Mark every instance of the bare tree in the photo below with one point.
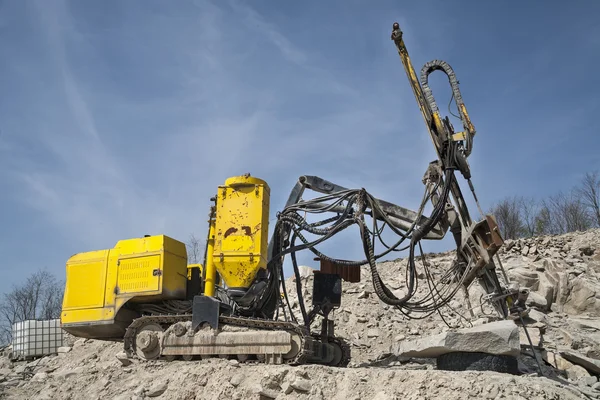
(589, 192)
(568, 213)
(529, 212)
(39, 297)
(195, 250)
(508, 215)
(543, 223)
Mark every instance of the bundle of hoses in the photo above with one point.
(359, 202)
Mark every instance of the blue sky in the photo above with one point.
(120, 119)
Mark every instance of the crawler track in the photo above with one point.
(306, 347)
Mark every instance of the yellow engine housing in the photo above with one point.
(241, 230)
(99, 283)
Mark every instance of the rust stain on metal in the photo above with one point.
(230, 231)
(247, 230)
(348, 274)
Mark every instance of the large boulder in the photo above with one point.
(547, 289)
(583, 297)
(525, 277)
(500, 338)
(557, 275)
(586, 362)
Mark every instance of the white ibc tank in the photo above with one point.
(35, 338)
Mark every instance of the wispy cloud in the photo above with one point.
(122, 120)
(254, 21)
(242, 129)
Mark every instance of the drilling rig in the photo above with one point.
(235, 304)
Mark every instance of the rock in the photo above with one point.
(586, 251)
(558, 362)
(576, 373)
(301, 385)
(582, 297)
(480, 321)
(586, 323)
(536, 300)
(533, 250)
(234, 363)
(555, 273)
(538, 316)
(363, 295)
(122, 357)
(596, 386)
(501, 338)
(373, 333)
(267, 393)
(525, 251)
(46, 394)
(157, 389)
(372, 373)
(44, 361)
(576, 358)
(534, 334)
(567, 337)
(139, 390)
(590, 380)
(63, 350)
(40, 377)
(525, 277)
(512, 264)
(382, 396)
(493, 393)
(236, 380)
(305, 272)
(547, 289)
(65, 374)
(287, 388)
(19, 369)
(593, 354)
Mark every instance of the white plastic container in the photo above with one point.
(34, 338)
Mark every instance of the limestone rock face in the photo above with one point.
(563, 272)
(500, 338)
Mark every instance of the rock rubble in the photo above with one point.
(561, 271)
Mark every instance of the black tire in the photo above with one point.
(464, 361)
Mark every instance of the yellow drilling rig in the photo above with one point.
(235, 304)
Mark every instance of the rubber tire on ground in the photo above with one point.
(464, 361)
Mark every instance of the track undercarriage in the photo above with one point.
(171, 337)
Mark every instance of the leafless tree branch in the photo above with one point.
(39, 297)
(509, 218)
(589, 192)
(529, 211)
(567, 213)
(194, 250)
